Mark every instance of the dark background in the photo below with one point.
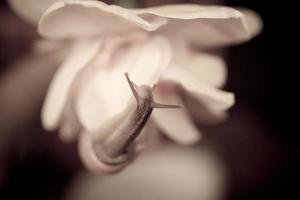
(261, 77)
(258, 144)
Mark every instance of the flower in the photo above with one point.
(154, 45)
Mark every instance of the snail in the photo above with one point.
(119, 147)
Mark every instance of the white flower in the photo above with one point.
(154, 45)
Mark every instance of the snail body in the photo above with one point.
(119, 147)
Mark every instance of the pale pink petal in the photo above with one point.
(80, 55)
(214, 98)
(150, 137)
(253, 21)
(102, 83)
(203, 26)
(70, 126)
(190, 11)
(175, 123)
(44, 46)
(106, 91)
(75, 19)
(208, 68)
(201, 113)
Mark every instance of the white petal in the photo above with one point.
(190, 11)
(214, 98)
(70, 126)
(30, 10)
(80, 55)
(106, 94)
(44, 46)
(201, 113)
(204, 26)
(95, 18)
(253, 22)
(70, 129)
(208, 68)
(175, 123)
(150, 137)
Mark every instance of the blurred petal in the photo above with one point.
(170, 173)
(30, 10)
(70, 129)
(201, 113)
(148, 3)
(214, 98)
(175, 123)
(150, 137)
(58, 92)
(70, 126)
(204, 26)
(253, 21)
(43, 46)
(189, 11)
(208, 68)
(94, 18)
(105, 92)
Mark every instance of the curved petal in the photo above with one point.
(105, 92)
(208, 68)
(190, 11)
(70, 126)
(214, 98)
(94, 18)
(201, 113)
(175, 123)
(150, 137)
(204, 26)
(44, 46)
(253, 21)
(80, 55)
(30, 10)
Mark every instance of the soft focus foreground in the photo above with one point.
(169, 173)
(37, 165)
